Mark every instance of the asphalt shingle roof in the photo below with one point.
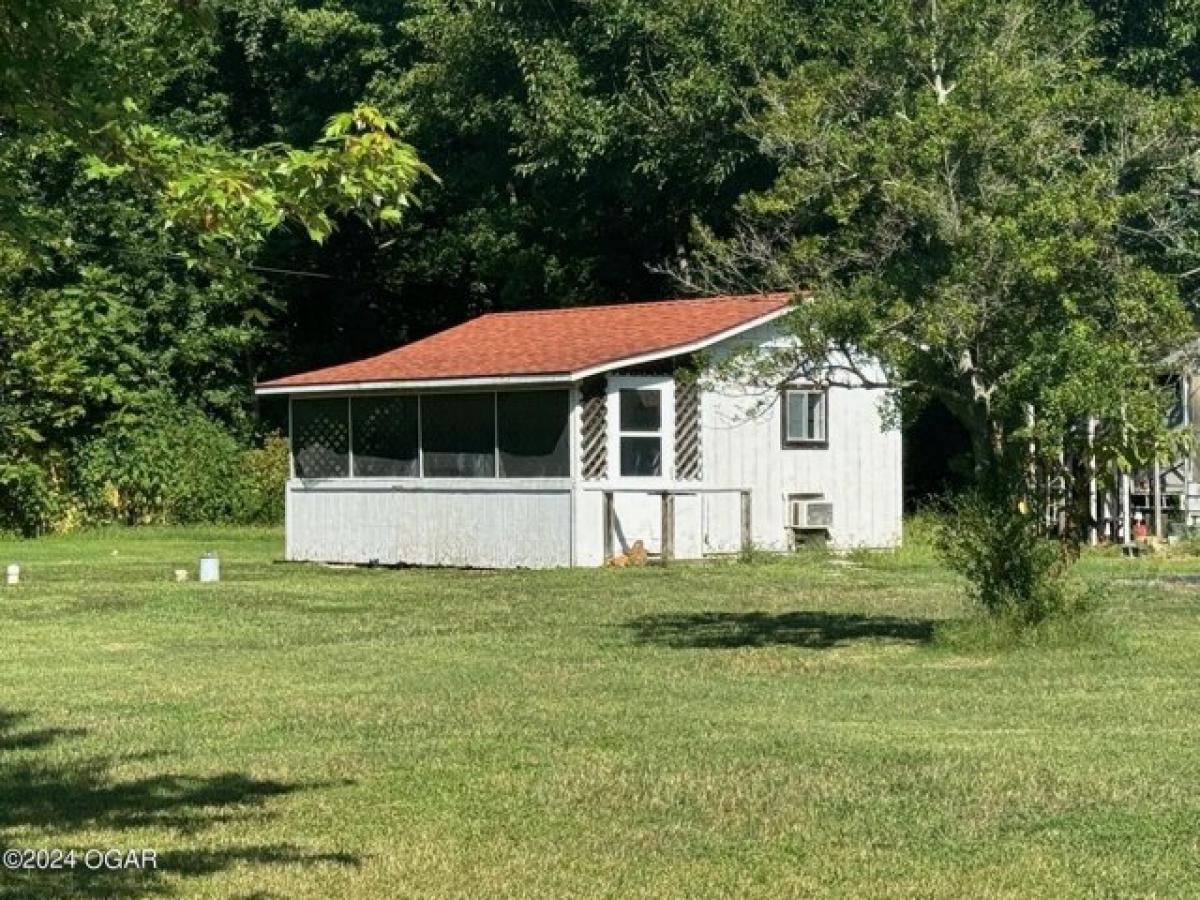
(549, 342)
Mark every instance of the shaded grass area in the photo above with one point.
(775, 729)
(814, 630)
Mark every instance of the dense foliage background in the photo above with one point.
(580, 148)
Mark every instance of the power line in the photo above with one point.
(300, 274)
(179, 257)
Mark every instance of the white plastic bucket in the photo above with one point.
(210, 568)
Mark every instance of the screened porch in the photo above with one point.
(478, 435)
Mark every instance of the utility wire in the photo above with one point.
(179, 257)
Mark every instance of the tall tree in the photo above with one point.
(972, 201)
(125, 231)
(1151, 42)
(577, 141)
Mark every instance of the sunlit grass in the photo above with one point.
(780, 728)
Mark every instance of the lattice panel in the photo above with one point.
(385, 436)
(321, 438)
(594, 430)
(689, 458)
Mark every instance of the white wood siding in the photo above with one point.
(455, 522)
(858, 468)
(540, 523)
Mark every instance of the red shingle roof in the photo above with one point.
(550, 342)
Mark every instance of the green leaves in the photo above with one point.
(976, 202)
(234, 199)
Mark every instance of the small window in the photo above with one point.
(458, 435)
(641, 432)
(385, 437)
(805, 416)
(532, 430)
(321, 438)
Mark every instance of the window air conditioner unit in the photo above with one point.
(810, 515)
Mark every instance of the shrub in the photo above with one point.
(1012, 571)
(171, 465)
(30, 501)
(263, 479)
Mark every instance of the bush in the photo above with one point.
(1012, 571)
(177, 466)
(30, 502)
(263, 479)
(170, 465)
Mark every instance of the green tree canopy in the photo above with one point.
(973, 201)
(126, 232)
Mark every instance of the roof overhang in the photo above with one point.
(495, 381)
(681, 349)
(427, 384)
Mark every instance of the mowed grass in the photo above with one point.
(781, 728)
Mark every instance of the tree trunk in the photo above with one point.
(980, 431)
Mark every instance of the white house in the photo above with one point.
(562, 437)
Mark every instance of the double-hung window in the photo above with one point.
(641, 437)
(805, 416)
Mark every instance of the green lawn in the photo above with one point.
(775, 729)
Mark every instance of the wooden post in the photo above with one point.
(747, 524)
(668, 526)
(1188, 473)
(1156, 499)
(1094, 513)
(609, 517)
(1126, 517)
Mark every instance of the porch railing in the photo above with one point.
(667, 497)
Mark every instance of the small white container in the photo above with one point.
(12, 575)
(210, 568)
(181, 574)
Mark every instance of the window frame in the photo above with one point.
(786, 416)
(665, 386)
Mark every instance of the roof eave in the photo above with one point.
(412, 384)
(680, 349)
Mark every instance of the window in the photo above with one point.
(641, 432)
(385, 437)
(321, 438)
(532, 434)
(458, 435)
(804, 416)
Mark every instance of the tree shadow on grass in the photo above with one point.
(814, 630)
(28, 740)
(59, 798)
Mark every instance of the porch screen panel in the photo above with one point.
(385, 437)
(532, 430)
(458, 435)
(321, 438)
